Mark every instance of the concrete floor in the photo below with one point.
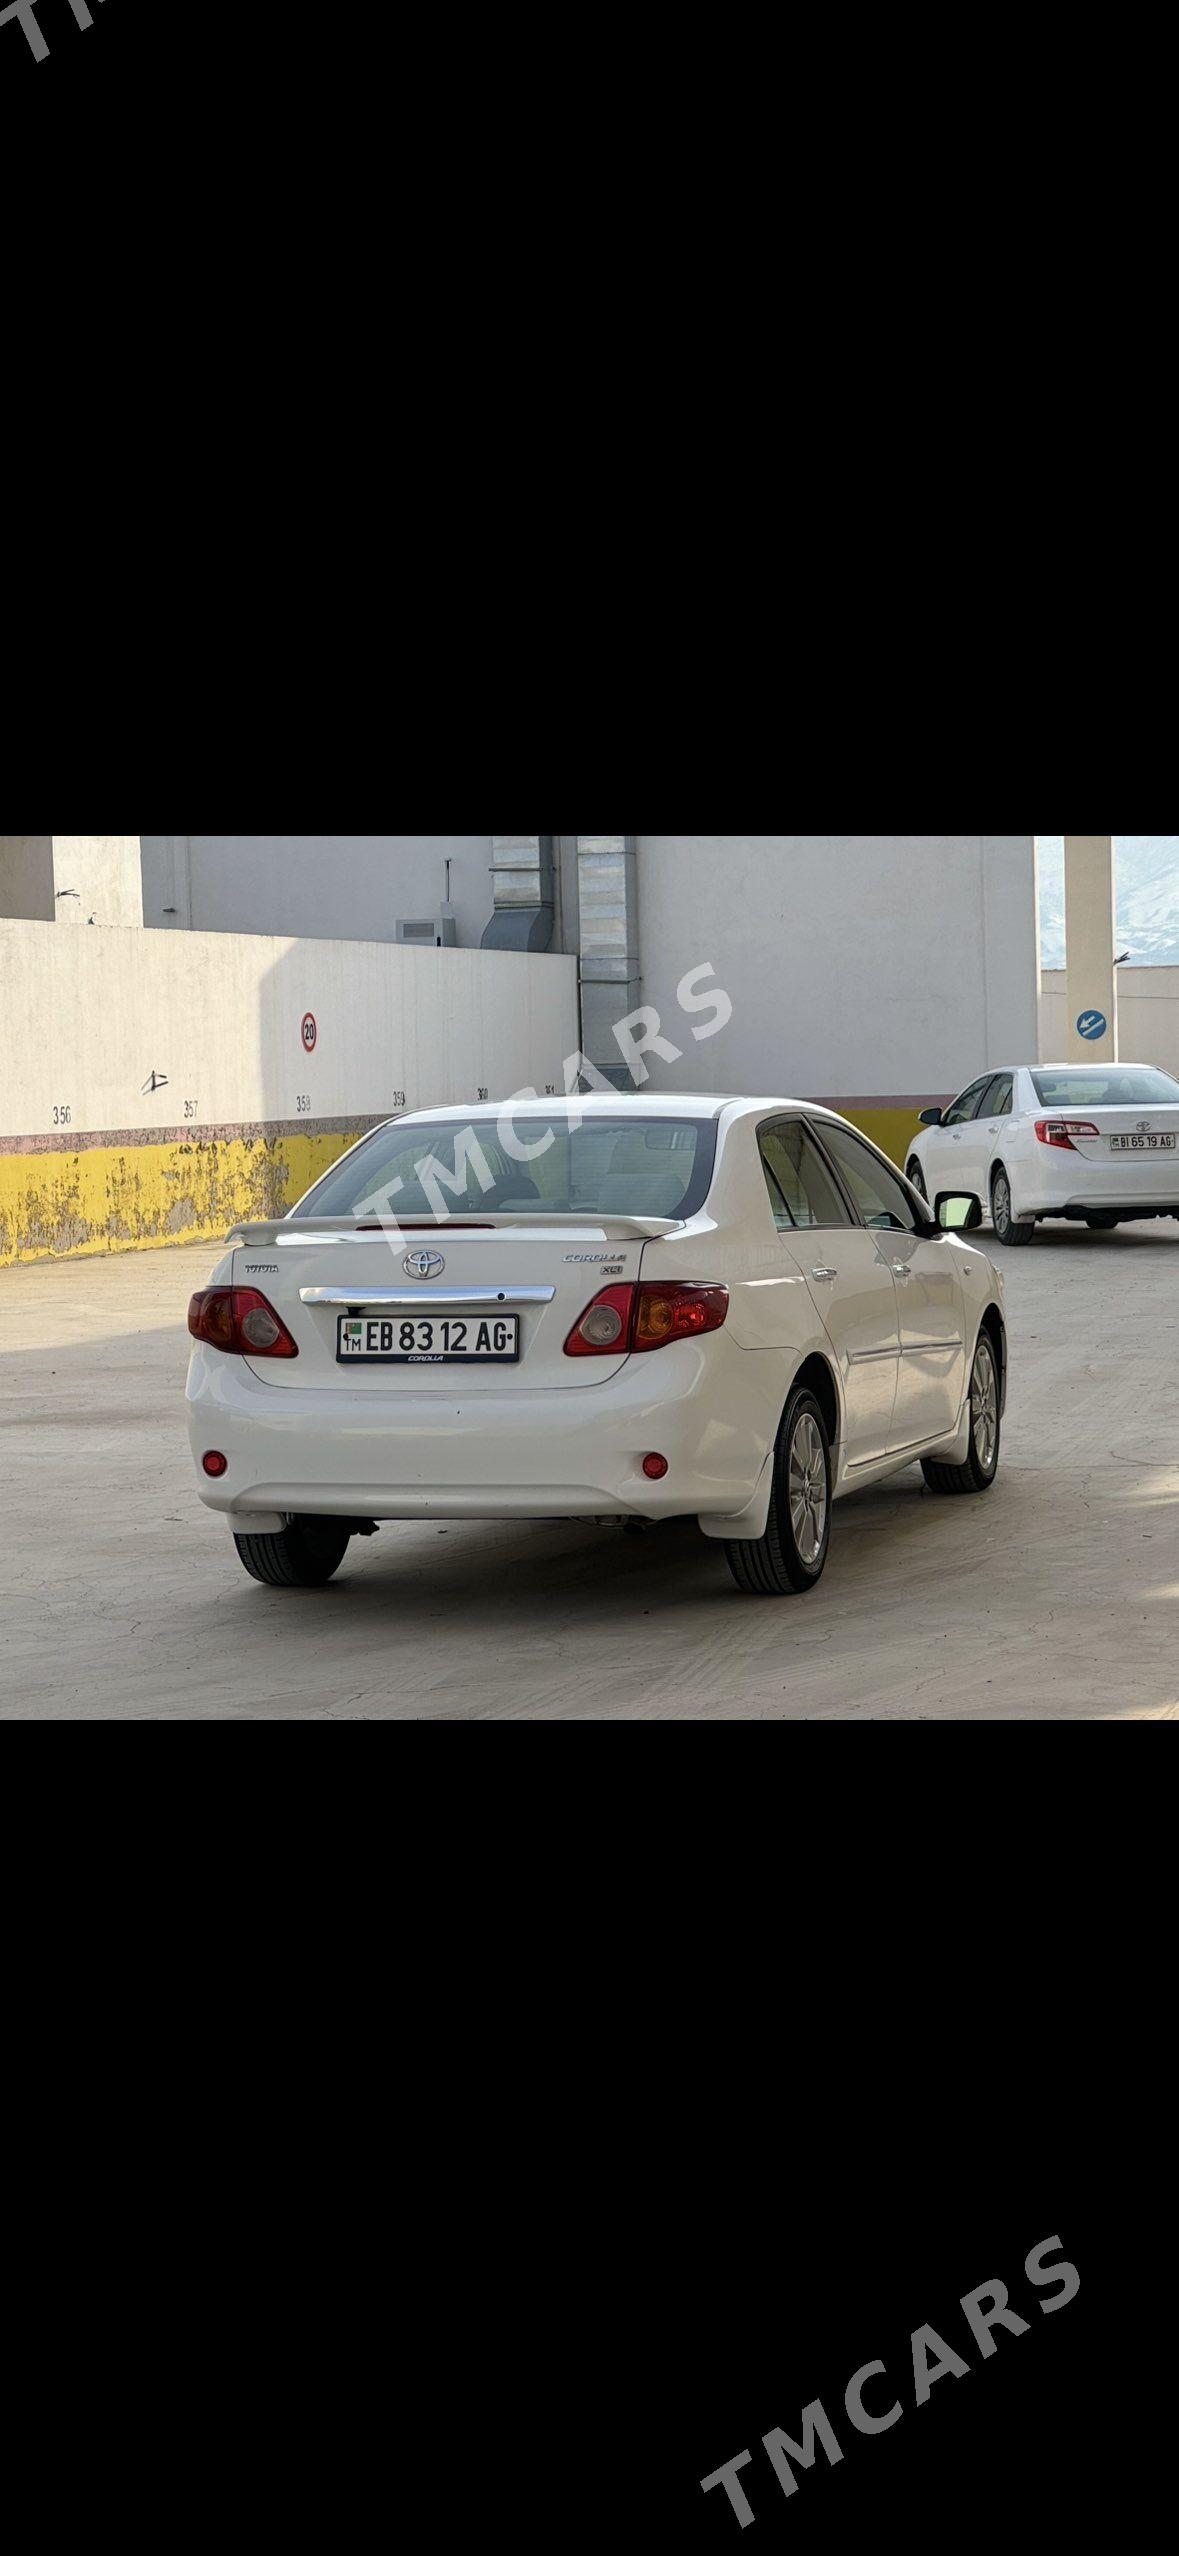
(1057, 1595)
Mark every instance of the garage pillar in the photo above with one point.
(1090, 922)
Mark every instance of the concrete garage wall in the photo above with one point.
(91, 1161)
(70, 878)
(354, 887)
(97, 879)
(875, 972)
(1148, 1016)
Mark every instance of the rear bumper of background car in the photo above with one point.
(1102, 1197)
(1100, 1203)
(1053, 1183)
(707, 1406)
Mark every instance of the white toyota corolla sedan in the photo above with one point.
(606, 1307)
(1098, 1144)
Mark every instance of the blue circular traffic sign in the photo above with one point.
(1092, 1025)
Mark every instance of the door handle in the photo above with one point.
(825, 1273)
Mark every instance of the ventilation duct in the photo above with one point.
(522, 878)
(611, 978)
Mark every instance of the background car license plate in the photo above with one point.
(1142, 1144)
(427, 1340)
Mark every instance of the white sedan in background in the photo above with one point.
(1098, 1144)
(623, 1307)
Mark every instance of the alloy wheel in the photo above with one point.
(807, 1489)
(984, 1405)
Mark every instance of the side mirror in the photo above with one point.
(957, 1214)
(930, 1118)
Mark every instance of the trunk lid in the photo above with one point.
(542, 1273)
(1143, 1128)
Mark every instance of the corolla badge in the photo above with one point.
(423, 1264)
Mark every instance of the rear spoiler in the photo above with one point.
(346, 1228)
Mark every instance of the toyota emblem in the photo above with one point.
(423, 1264)
(1144, 1127)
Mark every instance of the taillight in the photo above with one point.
(646, 1316)
(240, 1321)
(677, 1312)
(1061, 1131)
(605, 1328)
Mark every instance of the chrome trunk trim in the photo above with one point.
(417, 1298)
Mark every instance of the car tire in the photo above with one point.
(986, 1429)
(303, 1556)
(791, 1556)
(1103, 1224)
(916, 1180)
(1009, 1228)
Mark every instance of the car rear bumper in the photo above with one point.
(1055, 1184)
(1127, 1211)
(712, 1409)
(1101, 1198)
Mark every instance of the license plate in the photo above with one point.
(1142, 1144)
(427, 1340)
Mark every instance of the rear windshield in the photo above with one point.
(534, 1165)
(1104, 1086)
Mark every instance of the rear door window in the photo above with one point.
(996, 1100)
(802, 1191)
(880, 1194)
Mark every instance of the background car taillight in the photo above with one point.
(1061, 1131)
(646, 1316)
(240, 1321)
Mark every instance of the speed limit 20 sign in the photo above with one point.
(310, 1031)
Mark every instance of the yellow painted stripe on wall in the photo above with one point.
(892, 1129)
(140, 1197)
(130, 1197)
